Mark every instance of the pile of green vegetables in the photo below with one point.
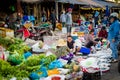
(17, 65)
(14, 44)
(7, 41)
(29, 65)
(7, 71)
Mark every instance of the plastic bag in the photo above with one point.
(89, 65)
(27, 54)
(53, 72)
(64, 30)
(49, 53)
(63, 71)
(78, 43)
(85, 50)
(16, 58)
(64, 62)
(39, 74)
(26, 33)
(46, 47)
(62, 77)
(2, 56)
(55, 64)
(35, 48)
(68, 57)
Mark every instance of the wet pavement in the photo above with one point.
(113, 74)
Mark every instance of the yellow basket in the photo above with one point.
(28, 25)
(59, 26)
(79, 34)
(4, 32)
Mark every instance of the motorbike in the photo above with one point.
(34, 33)
(25, 33)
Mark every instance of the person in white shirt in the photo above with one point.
(63, 18)
(69, 21)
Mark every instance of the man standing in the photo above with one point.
(113, 35)
(63, 18)
(69, 21)
(53, 19)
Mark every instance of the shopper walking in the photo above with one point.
(44, 18)
(53, 19)
(69, 21)
(113, 35)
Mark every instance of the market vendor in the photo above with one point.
(89, 39)
(74, 46)
(70, 42)
(79, 21)
(90, 27)
(103, 33)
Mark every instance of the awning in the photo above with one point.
(30, 1)
(91, 2)
(70, 1)
(89, 7)
(105, 3)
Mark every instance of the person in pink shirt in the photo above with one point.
(89, 39)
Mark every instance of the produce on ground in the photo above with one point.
(62, 51)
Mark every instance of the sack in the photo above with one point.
(64, 30)
(85, 50)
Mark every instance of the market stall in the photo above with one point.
(53, 60)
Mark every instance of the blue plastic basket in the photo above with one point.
(74, 37)
(85, 50)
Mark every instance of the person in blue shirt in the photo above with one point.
(113, 35)
(105, 20)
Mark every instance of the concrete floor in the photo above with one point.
(112, 74)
